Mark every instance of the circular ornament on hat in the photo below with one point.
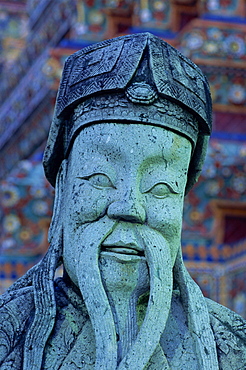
(141, 93)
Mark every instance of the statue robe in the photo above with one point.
(71, 344)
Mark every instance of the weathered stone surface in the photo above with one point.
(127, 142)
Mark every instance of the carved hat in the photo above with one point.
(137, 78)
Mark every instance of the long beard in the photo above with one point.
(158, 258)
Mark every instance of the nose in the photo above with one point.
(128, 209)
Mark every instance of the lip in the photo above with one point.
(121, 257)
(123, 248)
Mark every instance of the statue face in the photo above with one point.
(126, 175)
(122, 203)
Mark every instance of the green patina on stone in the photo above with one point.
(127, 142)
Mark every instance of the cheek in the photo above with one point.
(85, 204)
(72, 246)
(165, 215)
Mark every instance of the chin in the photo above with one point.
(126, 272)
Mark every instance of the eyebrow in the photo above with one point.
(96, 164)
(154, 161)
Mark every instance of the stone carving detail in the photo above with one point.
(127, 141)
(179, 79)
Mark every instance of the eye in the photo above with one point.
(160, 190)
(99, 181)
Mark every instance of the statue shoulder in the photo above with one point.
(15, 312)
(229, 331)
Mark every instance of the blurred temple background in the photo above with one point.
(36, 36)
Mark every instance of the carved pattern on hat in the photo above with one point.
(141, 93)
(175, 77)
(117, 108)
(192, 97)
(109, 79)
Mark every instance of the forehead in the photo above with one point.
(133, 141)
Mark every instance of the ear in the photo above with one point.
(56, 222)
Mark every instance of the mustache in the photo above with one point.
(158, 257)
(94, 295)
(92, 288)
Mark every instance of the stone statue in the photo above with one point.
(128, 140)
